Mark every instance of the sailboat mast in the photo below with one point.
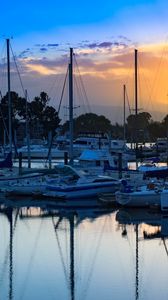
(27, 132)
(9, 96)
(72, 271)
(124, 90)
(137, 264)
(71, 105)
(136, 99)
(10, 216)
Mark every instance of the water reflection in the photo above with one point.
(152, 223)
(76, 252)
(17, 211)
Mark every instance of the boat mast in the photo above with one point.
(71, 105)
(72, 269)
(9, 96)
(136, 103)
(137, 265)
(27, 132)
(124, 135)
(10, 219)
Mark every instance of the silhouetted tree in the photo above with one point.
(39, 112)
(89, 122)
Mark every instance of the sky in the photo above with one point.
(104, 37)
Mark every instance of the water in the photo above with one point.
(86, 253)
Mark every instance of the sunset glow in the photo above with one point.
(103, 44)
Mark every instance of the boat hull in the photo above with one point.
(83, 190)
(139, 199)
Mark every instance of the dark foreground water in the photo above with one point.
(82, 253)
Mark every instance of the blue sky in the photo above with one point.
(56, 19)
(102, 34)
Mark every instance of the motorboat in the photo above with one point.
(80, 186)
(147, 195)
(152, 170)
(84, 190)
(41, 151)
(98, 161)
(161, 145)
(66, 182)
(101, 162)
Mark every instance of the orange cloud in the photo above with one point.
(106, 69)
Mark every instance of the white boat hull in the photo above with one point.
(139, 199)
(44, 154)
(83, 190)
(25, 190)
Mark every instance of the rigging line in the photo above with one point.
(164, 243)
(7, 251)
(4, 123)
(14, 59)
(79, 90)
(3, 48)
(58, 81)
(54, 85)
(3, 63)
(139, 91)
(84, 92)
(147, 83)
(82, 84)
(59, 247)
(63, 89)
(158, 69)
(31, 261)
(128, 101)
(4, 83)
(88, 282)
(128, 79)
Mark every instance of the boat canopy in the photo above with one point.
(90, 155)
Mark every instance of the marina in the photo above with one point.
(83, 192)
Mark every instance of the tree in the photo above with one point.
(17, 112)
(137, 126)
(165, 125)
(89, 122)
(155, 130)
(39, 113)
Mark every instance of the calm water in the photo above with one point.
(82, 253)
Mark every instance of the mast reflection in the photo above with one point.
(153, 219)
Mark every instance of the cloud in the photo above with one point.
(105, 66)
(53, 45)
(43, 49)
(100, 45)
(109, 44)
(122, 37)
(26, 53)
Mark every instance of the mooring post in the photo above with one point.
(20, 163)
(65, 158)
(120, 165)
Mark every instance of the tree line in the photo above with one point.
(38, 111)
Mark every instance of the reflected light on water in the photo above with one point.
(51, 253)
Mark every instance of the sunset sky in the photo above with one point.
(104, 36)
